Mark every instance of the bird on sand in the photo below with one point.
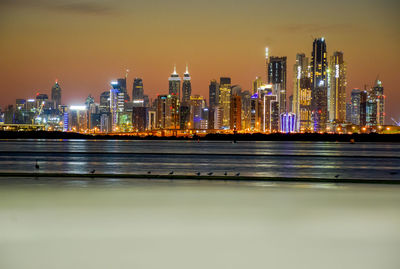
(93, 171)
(198, 173)
(226, 173)
(148, 172)
(337, 176)
(210, 174)
(37, 165)
(237, 174)
(171, 173)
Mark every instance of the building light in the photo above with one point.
(337, 71)
(77, 107)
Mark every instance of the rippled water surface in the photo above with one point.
(271, 159)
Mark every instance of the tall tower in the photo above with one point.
(175, 84)
(186, 86)
(277, 77)
(300, 72)
(319, 88)
(266, 63)
(225, 100)
(56, 94)
(355, 106)
(376, 105)
(137, 89)
(337, 88)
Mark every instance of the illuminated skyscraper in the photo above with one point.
(319, 98)
(213, 101)
(225, 100)
(167, 112)
(300, 72)
(277, 77)
(197, 103)
(122, 87)
(337, 88)
(257, 84)
(186, 87)
(137, 90)
(363, 107)
(355, 106)
(266, 65)
(175, 84)
(56, 95)
(236, 113)
(376, 105)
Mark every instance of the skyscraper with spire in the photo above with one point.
(186, 86)
(56, 94)
(301, 93)
(175, 84)
(319, 85)
(277, 77)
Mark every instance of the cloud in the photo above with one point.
(66, 6)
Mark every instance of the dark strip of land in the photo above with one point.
(7, 175)
(372, 137)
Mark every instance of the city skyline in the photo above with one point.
(41, 46)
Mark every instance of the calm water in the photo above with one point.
(280, 159)
(133, 223)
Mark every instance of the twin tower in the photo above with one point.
(175, 85)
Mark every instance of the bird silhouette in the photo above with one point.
(93, 171)
(198, 173)
(337, 176)
(171, 173)
(226, 173)
(37, 165)
(210, 174)
(148, 172)
(393, 173)
(237, 174)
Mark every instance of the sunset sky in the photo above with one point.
(86, 44)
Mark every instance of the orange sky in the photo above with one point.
(85, 44)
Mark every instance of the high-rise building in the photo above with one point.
(379, 97)
(197, 103)
(355, 106)
(175, 84)
(105, 102)
(277, 77)
(348, 112)
(300, 72)
(186, 86)
(319, 100)
(236, 113)
(121, 82)
(363, 107)
(56, 95)
(225, 100)
(139, 118)
(168, 112)
(137, 90)
(257, 84)
(213, 101)
(337, 88)
(213, 93)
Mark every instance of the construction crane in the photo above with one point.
(37, 115)
(396, 122)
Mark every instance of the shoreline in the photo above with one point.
(8, 175)
(312, 137)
